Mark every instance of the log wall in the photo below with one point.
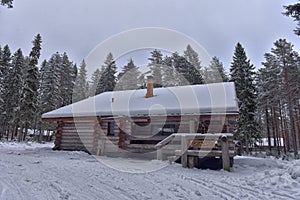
(137, 134)
(78, 135)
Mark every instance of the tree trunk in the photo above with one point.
(25, 133)
(273, 129)
(282, 129)
(276, 133)
(291, 114)
(287, 136)
(268, 130)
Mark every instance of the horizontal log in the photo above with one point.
(78, 127)
(79, 122)
(76, 131)
(76, 141)
(145, 138)
(141, 146)
(77, 138)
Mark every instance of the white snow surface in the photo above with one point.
(190, 99)
(34, 171)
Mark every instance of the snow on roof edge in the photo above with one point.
(203, 101)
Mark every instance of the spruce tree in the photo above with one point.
(5, 68)
(50, 83)
(242, 74)
(67, 80)
(169, 73)
(14, 91)
(94, 82)
(108, 78)
(189, 74)
(192, 57)
(31, 85)
(1, 84)
(80, 91)
(215, 72)
(129, 77)
(156, 67)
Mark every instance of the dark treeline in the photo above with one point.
(269, 99)
(28, 90)
(19, 85)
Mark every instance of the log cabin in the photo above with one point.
(134, 121)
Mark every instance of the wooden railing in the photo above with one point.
(193, 145)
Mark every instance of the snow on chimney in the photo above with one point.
(149, 87)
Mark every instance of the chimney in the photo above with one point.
(149, 87)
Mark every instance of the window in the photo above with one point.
(167, 129)
(111, 128)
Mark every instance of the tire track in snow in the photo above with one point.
(239, 189)
(182, 187)
(13, 187)
(17, 190)
(257, 193)
(106, 190)
(219, 191)
(3, 190)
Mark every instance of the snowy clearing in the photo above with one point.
(34, 171)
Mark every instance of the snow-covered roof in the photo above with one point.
(212, 98)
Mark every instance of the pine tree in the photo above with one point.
(242, 73)
(31, 85)
(129, 77)
(294, 11)
(108, 78)
(8, 3)
(215, 72)
(288, 63)
(156, 67)
(279, 95)
(80, 91)
(269, 99)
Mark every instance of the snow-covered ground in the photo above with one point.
(34, 171)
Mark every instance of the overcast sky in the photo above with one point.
(78, 26)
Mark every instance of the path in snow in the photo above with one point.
(30, 172)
